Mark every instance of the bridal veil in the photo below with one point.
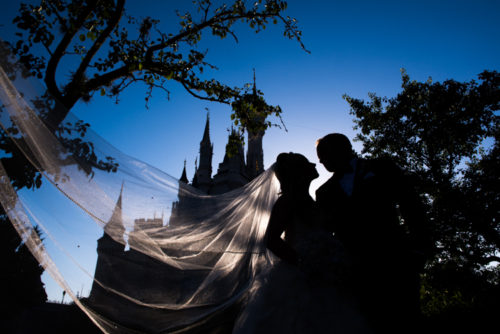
(168, 256)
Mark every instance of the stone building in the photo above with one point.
(139, 276)
(232, 172)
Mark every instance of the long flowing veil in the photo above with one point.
(167, 256)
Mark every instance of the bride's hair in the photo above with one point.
(289, 168)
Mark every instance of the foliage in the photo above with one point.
(250, 110)
(22, 166)
(109, 50)
(21, 272)
(450, 288)
(93, 35)
(447, 135)
(110, 56)
(234, 146)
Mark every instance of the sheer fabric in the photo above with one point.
(169, 257)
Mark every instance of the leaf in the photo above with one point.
(103, 92)
(91, 35)
(82, 37)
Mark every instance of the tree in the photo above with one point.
(20, 273)
(110, 57)
(109, 50)
(440, 132)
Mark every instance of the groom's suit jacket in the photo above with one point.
(370, 219)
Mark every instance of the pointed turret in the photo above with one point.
(114, 227)
(255, 153)
(206, 133)
(110, 247)
(195, 177)
(234, 143)
(231, 172)
(184, 176)
(204, 173)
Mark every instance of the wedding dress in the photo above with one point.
(313, 297)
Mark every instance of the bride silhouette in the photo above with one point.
(306, 290)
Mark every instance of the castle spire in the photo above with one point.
(204, 172)
(114, 227)
(206, 133)
(255, 153)
(110, 246)
(231, 172)
(235, 144)
(184, 176)
(195, 177)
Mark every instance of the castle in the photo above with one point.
(232, 172)
(139, 276)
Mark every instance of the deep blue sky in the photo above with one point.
(356, 47)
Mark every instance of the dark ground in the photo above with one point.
(56, 318)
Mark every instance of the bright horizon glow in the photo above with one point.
(356, 47)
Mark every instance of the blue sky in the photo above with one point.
(356, 47)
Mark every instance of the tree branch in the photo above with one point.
(188, 89)
(107, 78)
(61, 20)
(115, 19)
(218, 18)
(50, 74)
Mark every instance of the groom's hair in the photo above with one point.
(333, 142)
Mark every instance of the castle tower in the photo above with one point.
(204, 172)
(194, 183)
(108, 250)
(184, 176)
(231, 172)
(255, 153)
(114, 229)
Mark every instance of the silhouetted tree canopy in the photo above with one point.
(108, 50)
(21, 272)
(447, 134)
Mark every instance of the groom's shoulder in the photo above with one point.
(325, 187)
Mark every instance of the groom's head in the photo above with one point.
(334, 152)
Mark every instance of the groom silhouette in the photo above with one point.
(372, 208)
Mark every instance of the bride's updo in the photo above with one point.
(291, 169)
